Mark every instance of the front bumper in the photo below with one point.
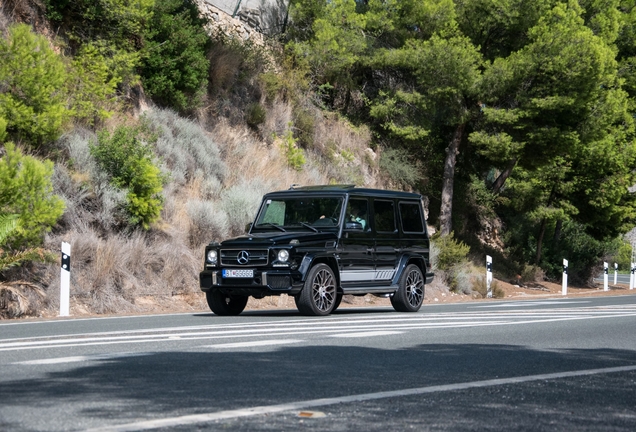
(264, 283)
(429, 277)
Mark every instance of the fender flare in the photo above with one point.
(310, 259)
(416, 259)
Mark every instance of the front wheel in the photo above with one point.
(410, 292)
(318, 296)
(225, 304)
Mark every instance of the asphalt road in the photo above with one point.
(562, 364)
(621, 278)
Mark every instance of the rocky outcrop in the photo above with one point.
(244, 27)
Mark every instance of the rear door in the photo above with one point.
(386, 239)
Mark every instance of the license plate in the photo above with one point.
(227, 273)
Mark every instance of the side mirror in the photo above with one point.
(248, 227)
(353, 226)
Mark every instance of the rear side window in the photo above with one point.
(412, 221)
(384, 216)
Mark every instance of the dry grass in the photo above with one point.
(109, 274)
(20, 298)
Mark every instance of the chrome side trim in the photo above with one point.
(384, 275)
(357, 275)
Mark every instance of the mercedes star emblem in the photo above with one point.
(243, 257)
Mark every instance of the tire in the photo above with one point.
(410, 292)
(338, 301)
(318, 296)
(225, 304)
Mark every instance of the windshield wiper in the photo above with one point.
(278, 227)
(306, 225)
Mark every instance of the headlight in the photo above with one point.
(212, 256)
(283, 255)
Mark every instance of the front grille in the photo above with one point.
(278, 282)
(236, 257)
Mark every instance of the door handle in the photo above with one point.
(370, 250)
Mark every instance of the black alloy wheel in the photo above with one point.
(318, 296)
(410, 292)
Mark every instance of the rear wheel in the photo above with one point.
(225, 304)
(410, 293)
(318, 296)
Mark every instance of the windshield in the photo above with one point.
(300, 212)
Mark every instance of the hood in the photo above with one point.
(267, 239)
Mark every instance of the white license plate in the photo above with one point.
(227, 273)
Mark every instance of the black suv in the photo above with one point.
(318, 243)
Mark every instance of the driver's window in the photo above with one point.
(274, 213)
(358, 211)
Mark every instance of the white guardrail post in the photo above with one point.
(615, 273)
(65, 279)
(488, 276)
(564, 288)
(631, 276)
(605, 276)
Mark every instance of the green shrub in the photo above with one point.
(26, 190)
(295, 156)
(623, 255)
(450, 251)
(128, 160)
(396, 163)
(174, 63)
(92, 85)
(33, 77)
(583, 252)
(120, 22)
(304, 125)
(3, 130)
(255, 115)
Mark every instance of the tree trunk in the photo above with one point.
(498, 184)
(540, 240)
(557, 232)
(446, 209)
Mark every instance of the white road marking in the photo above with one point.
(74, 320)
(328, 326)
(529, 303)
(263, 343)
(74, 359)
(365, 334)
(304, 405)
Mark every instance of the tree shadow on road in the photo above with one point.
(204, 380)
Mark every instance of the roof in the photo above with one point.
(348, 189)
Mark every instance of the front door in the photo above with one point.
(356, 247)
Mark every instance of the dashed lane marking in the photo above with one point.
(263, 343)
(365, 334)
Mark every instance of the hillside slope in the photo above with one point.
(215, 169)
